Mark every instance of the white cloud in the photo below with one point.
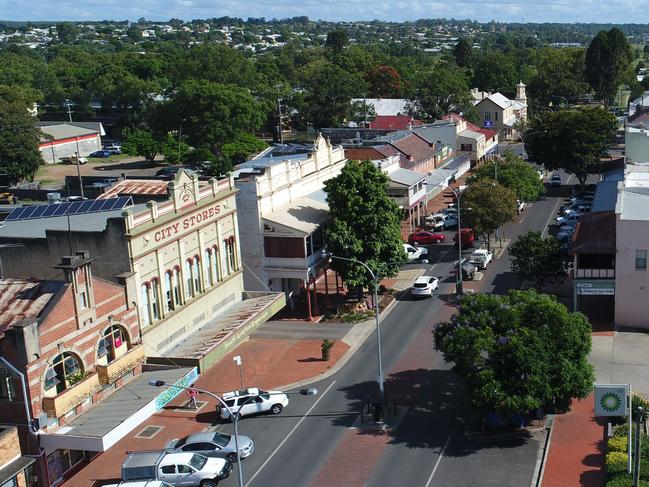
(619, 11)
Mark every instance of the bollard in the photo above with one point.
(378, 412)
(362, 418)
(395, 407)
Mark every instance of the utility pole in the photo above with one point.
(67, 102)
(180, 137)
(280, 132)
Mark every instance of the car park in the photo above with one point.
(424, 286)
(100, 154)
(425, 237)
(415, 253)
(213, 444)
(253, 401)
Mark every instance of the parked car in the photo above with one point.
(253, 401)
(579, 209)
(445, 220)
(113, 148)
(177, 469)
(436, 224)
(213, 444)
(425, 237)
(73, 160)
(566, 234)
(481, 258)
(567, 218)
(450, 211)
(100, 154)
(141, 483)
(415, 253)
(424, 286)
(467, 237)
(555, 180)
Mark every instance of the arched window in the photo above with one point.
(169, 290)
(196, 274)
(144, 304)
(65, 371)
(155, 299)
(225, 268)
(113, 344)
(189, 292)
(232, 256)
(176, 286)
(215, 263)
(207, 262)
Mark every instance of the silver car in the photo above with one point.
(213, 444)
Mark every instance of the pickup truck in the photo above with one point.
(481, 257)
(175, 468)
(141, 483)
(73, 160)
(434, 223)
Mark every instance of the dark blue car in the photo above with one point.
(100, 154)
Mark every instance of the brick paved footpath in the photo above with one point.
(272, 363)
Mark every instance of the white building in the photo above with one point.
(282, 215)
(636, 141)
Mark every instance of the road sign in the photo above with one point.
(611, 399)
(488, 124)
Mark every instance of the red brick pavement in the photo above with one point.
(576, 453)
(272, 363)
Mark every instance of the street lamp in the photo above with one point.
(311, 391)
(375, 278)
(459, 287)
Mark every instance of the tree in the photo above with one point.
(329, 90)
(513, 173)
(365, 224)
(538, 260)
(559, 75)
(572, 140)
(210, 114)
(174, 149)
(67, 32)
(486, 206)
(337, 40)
(19, 139)
(243, 145)
(384, 82)
(608, 60)
(463, 52)
(142, 143)
(362, 111)
(517, 352)
(440, 91)
(496, 72)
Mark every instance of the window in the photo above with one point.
(196, 274)
(176, 286)
(487, 116)
(215, 263)
(209, 274)
(225, 269)
(7, 390)
(496, 116)
(66, 368)
(231, 255)
(466, 147)
(12, 482)
(640, 260)
(188, 280)
(155, 299)
(114, 337)
(144, 302)
(82, 300)
(168, 469)
(169, 290)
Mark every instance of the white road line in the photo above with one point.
(289, 434)
(439, 459)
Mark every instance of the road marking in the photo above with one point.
(439, 459)
(290, 433)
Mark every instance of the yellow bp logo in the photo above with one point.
(610, 402)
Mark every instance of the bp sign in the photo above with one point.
(611, 399)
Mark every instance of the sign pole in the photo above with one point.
(629, 402)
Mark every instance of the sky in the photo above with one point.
(587, 11)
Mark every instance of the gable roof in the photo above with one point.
(417, 150)
(489, 134)
(25, 298)
(66, 131)
(394, 122)
(386, 106)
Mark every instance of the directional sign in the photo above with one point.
(611, 399)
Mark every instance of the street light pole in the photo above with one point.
(235, 417)
(375, 278)
(459, 286)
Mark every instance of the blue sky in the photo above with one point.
(599, 11)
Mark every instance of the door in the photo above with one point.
(187, 475)
(168, 474)
(249, 405)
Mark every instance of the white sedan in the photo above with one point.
(424, 286)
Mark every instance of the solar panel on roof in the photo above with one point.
(75, 208)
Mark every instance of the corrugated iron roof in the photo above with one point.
(136, 187)
(394, 122)
(24, 298)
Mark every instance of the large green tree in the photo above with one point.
(141, 142)
(337, 40)
(572, 140)
(559, 77)
(608, 61)
(365, 223)
(19, 139)
(463, 52)
(442, 90)
(486, 206)
(496, 72)
(517, 352)
(538, 260)
(209, 114)
(513, 173)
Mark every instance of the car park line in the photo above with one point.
(290, 433)
(439, 459)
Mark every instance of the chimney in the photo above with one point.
(78, 273)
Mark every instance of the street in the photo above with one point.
(430, 446)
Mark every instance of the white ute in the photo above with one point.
(415, 253)
(480, 258)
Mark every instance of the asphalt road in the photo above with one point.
(430, 446)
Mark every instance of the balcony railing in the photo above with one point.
(594, 273)
(117, 368)
(74, 395)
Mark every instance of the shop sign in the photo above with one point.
(180, 226)
(611, 399)
(602, 288)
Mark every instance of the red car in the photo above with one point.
(424, 237)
